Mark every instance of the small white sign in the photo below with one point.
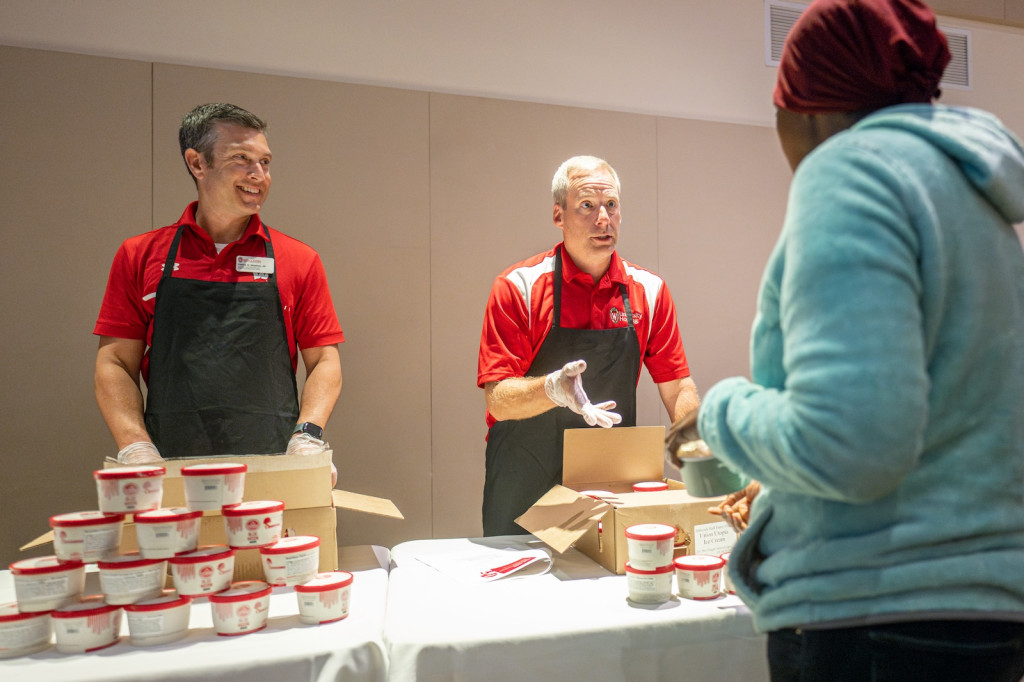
(713, 538)
(255, 264)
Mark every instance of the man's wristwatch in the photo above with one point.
(310, 428)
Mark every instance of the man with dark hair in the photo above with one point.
(212, 313)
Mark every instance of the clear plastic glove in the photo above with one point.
(139, 453)
(565, 388)
(305, 444)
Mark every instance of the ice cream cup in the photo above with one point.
(45, 583)
(86, 536)
(253, 524)
(650, 545)
(129, 489)
(162, 533)
(292, 560)
(86, 626)
(208, 570)
(325, 598)
(211, 486)
(652, 586)
(158, 621)
(129, 578)
(699, 576)
(241, 609)
(23, 633)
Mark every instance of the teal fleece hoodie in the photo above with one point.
(885, 415)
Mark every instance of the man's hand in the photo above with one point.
(305, 444)
(139, 453)
(683, 440)
(565, 388)
(735, 509)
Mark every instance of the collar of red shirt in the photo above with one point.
(616, 272)
(253, 228)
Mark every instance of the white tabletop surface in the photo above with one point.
(350, 649)
(573, 623)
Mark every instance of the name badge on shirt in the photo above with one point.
(259, 265)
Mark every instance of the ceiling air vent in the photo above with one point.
(780, 16)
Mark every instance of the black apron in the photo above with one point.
(524, 456)
(220, 372)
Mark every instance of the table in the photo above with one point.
(573, 623)
(350, 649)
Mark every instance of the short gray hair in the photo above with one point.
(574, 166)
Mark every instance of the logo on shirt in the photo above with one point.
(618, 317)
(176, 266)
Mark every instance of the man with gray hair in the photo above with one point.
(574, 321)
(212, 313)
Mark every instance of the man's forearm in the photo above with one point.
(322, 388)
(517, 398)
(120, 401)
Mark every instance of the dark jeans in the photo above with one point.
(958, 651)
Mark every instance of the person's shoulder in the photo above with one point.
(638, 272)
(293, 246)
(543, 259)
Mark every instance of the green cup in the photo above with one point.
(708, 477)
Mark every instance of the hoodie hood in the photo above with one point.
(990, 156)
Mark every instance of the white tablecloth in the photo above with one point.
(350, 649)
(573, 623)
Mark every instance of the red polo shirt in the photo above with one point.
(130, 298)
(520, 308)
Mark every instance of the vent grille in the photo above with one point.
(779, 17)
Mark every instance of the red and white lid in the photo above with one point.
(650, 531)
(322, 582)
(725, 557)
(296, 543)
(85, 518)
(243, 591)
(167, 515)
(130, 560)
(699, 562)
(204, 553)
(214, 468)
(43, 564)
(9, 613)
(252, 507)
(649, 486)
(91, 606)
(128, 472)
(170, 600)
(652, 571)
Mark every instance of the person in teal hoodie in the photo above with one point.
(884, 416)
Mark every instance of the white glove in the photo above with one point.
(305, 444)
(565, 388)
(142, 452)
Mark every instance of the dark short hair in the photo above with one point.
(198, 130)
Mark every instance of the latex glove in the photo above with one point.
(565, 388)
(142, 452)
(305, 444)
(735, 509)
(683, 440)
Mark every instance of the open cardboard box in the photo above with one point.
(302, 482)
(613, 460)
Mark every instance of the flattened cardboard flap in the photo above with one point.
(562, 516)
(378, 506)
(592, 458)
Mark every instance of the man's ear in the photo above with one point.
(195, 162)
(557, 215)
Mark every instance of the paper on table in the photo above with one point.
(485, 564)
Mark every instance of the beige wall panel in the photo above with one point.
(991, 10)
(349, 178)
(74, 175)
(992, 87)
(1015, 11)
(721, 200)
(491, 167)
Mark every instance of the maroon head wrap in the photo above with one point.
(854, 55)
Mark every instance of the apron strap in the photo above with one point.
(556, 315)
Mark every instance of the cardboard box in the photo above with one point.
(613, 460)
(302, 482)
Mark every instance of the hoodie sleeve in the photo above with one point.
(844, 333)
